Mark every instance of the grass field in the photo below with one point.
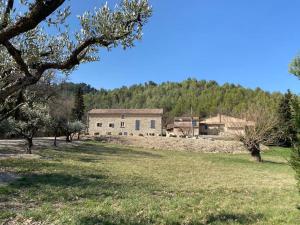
(105, 184)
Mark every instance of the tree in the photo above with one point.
(29, 49)
(60, 109)
(286, 122)
(71, 128)
(79, 108)
(258, 129)
(295, 158)
(33, 116)
(56, 125)
(176, 98)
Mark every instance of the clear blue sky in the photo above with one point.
(248, 42)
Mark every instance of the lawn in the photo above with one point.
(105, 184)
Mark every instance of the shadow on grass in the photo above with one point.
(275, 162)
(63, 187)
(52, 179)
(222, 218)
(81, 153)
(229, 218)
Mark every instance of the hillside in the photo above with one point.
(203, 97)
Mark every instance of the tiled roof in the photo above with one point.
(228, 120)
(127, 111)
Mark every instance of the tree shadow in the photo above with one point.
(62, 187)
(51, 179)
(222, 218)
(229, 218)
(274, 162)
(98, 150)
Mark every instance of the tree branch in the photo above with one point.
(38, 12)
(5, 114)
(16, 54)
(74, 58)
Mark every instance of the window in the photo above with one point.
(152, 124)
(111, 125)
(137, 124)
(99, 124)
(122, 124)
(205, 127)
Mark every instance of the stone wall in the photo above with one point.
(178, 144)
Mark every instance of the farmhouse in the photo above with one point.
(184, 126)
(125, 122)
(223, 125)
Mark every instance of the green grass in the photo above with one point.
(107, 184)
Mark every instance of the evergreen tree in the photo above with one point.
(295, 159)
(286, 123)
(78, 110)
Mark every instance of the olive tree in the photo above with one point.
(71, 128)
(259, 127)
(35, 38)
(33, 116)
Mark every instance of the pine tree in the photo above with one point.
(286, 123)
(78, 110)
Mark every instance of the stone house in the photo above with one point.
(223, 125)
(125, 122)
(184, 126)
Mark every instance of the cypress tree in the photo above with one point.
(286, 123)
(79, 107)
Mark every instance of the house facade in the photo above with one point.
(223, 125)
(146, 122)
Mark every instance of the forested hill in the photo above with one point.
(204, 97)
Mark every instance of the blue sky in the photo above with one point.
(249, 42)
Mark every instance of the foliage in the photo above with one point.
(286, 122)
(295, 160)
(205, 97)
(79, 108)
(33, 116)
(4, 128)
(98, 183)
(71, 128)
(35, 39)
(294, 67)
(70, 88)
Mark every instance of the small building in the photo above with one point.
(223, 125)
(125, 122)
(184, 126)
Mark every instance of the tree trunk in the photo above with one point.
(78, 136)
(55, 142)
(255, 153)
(29, 145)
(68, 138)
